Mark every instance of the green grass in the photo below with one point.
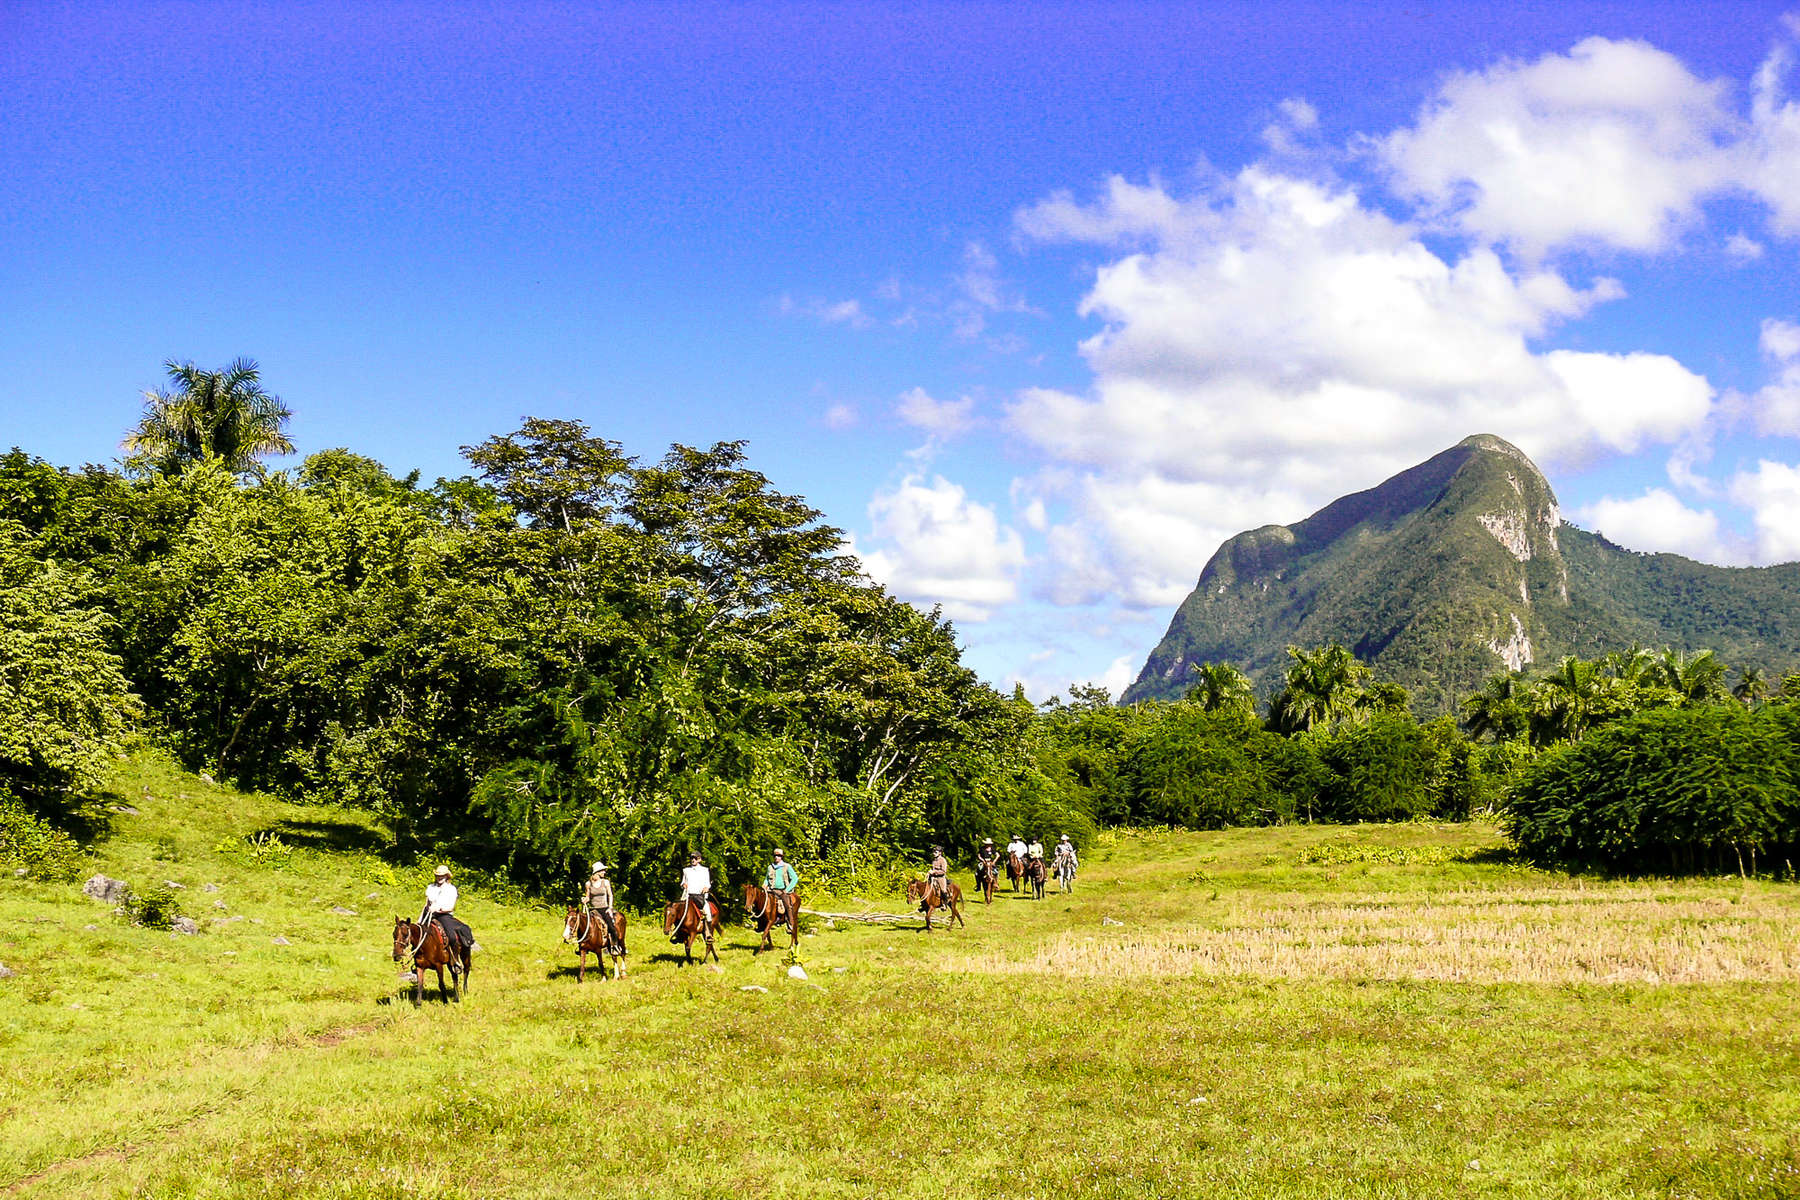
(1270, 1017)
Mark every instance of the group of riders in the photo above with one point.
(781, 883)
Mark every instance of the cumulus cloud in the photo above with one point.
(1772, 494)
(1777, 404)
(841, 416)
(934, 545)
(1275, 343)
(1658, 521)
(1614, 143)
(942, 419)
(1774, 165)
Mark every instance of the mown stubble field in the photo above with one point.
(1380, 1011)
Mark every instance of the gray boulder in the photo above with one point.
(110, 891)
(6, 972)
(183, 925)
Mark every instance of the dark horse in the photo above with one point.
(1015, 869)
(917, 892)
(586, 931)
(765, 908)
(430, 951)
(1034, 874)
(986, 874)
(682, 921)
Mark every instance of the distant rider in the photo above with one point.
(1034, 851)
(440, 906)
(987, 861)
(597, 899)
(781, 883)
(1016, 848)
(696, 888)
(1065, 856)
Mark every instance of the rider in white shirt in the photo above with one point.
(440, 906)
(1016, 847)
(696, 888)
(1035, 850)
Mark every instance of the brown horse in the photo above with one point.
(986, 875)
(430, 950)
(765, 908)
(917, 893)
(1034, 875)
(682, 921)
(586, 931)
(1015, 869)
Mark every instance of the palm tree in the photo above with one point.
(1751, 687)
(1500, 708)
(1572, 699)
(209, 415)
(1221, 686)
(1697, 680)
(1322, 687)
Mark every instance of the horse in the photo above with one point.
(586, 931)
(1065, 873)
(682, 921)
(917, 892)
(1034, 874)
(765, 908)
(1015, 869)
(430, 950)
(986, 874)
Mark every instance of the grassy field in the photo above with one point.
(1307, 1011)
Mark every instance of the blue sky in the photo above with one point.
(1039, 302)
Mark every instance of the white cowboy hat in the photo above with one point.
(599, 866)
(987, 841)
(442, 870)
(777, 853)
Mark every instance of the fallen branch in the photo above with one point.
(872, 918)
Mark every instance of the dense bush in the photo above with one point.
(31, 844)
(1206, 770)
(1677, 790)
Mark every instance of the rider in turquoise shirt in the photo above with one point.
(782, 882)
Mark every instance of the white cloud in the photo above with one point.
(1772, 493)
(1274, 344)
(841, 416)
(937, 546)
(1657, 521)
(1777, 403)
(940, 418)
(1741, 249)
(1614, 142)
(1774, 167)
(841, 312)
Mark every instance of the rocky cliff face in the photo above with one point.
(1448, 572)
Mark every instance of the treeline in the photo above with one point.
(568, 653)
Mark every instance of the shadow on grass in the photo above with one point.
(87, 819)
(328, 835)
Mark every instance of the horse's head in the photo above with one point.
(914, 890)
(402, 938)
(672, 916)
(571, 928)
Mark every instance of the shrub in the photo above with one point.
(1682, 790)
(32, 844)
(155, 908)
(1207, 770)
(1384, 769)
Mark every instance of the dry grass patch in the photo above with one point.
(1615, 934)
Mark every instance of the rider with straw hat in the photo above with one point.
(597, 899)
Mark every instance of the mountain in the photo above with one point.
(1456, 569)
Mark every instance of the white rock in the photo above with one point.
(183, 925)
(209, 887)
(6, 972)
(173, 886)
(100, 887)
(1110, 921)
(281, 941)
(752, 987)
(341, 911)
(796, 972)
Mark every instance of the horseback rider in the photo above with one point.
(597, 901)
(1065, 854)
(1016, 847)
(937, 876)
(696, 889)
(781, 883)
(440, 906)
(987, 860)
(1034, 850)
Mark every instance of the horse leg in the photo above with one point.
(418, 984)
(581, 963)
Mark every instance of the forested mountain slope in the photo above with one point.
(1455, 569)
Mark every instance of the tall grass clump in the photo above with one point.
(1677, 790)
